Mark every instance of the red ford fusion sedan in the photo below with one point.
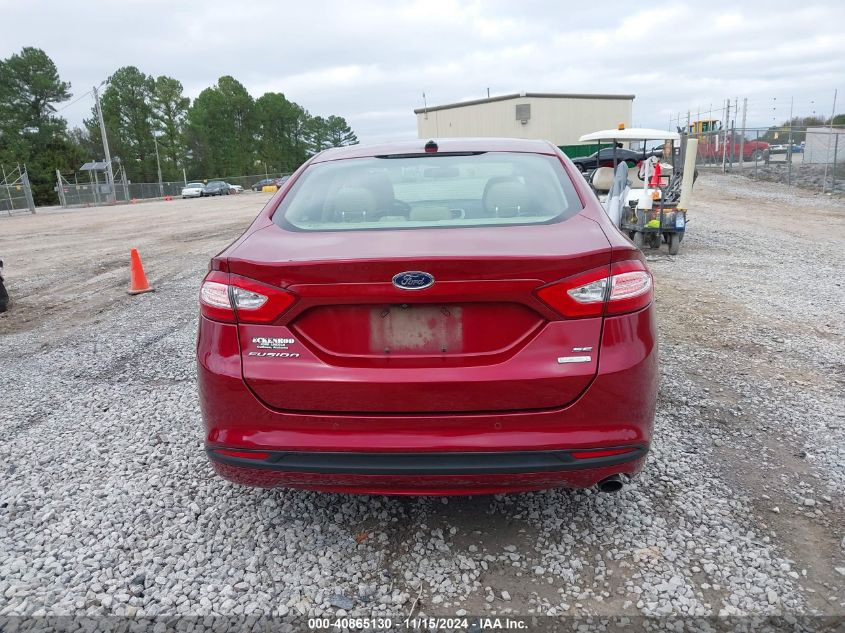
(452, 317)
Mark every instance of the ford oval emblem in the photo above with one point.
(413, 280)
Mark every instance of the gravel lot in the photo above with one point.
(110, 507)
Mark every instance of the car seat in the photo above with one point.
(350, 204)
(602, 179)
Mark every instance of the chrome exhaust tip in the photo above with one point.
(613, 483)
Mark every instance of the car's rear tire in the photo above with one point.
(674, 243)
(757, 156)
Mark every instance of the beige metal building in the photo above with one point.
(559, 118)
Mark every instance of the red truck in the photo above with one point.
(711, 148)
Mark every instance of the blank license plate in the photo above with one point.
(415, 329)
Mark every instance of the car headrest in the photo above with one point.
(354, 202)
(430, 214)
(602, 178)
(379, 184)
(506, 197)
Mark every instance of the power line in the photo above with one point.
(83, 95)
(79, 98)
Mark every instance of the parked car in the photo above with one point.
(266, 182)
(192, 190)
(604, 158)
(216, 188)
(235, 188)
(4, 295)
(270, 182)
(483, 329)
(783, 148)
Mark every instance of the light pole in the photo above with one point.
(109, 172)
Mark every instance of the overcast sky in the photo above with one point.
(370, 62)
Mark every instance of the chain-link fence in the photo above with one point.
(81, 190)
(803, 143)
(90, 188)
(15, 191)
(809, 157)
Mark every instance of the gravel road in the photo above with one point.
(108, 505)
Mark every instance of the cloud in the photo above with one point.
(371, 61)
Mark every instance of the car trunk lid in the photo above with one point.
(478, 339)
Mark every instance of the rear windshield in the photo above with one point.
(487, 189)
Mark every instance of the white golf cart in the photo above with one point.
(647, 200)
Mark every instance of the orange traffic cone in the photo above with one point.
(137, 279)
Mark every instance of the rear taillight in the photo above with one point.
(229, 298)
(627, 288)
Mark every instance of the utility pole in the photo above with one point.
(109, 172)
(789, 147)
(742, 134)
(158, 167)
(726, 124)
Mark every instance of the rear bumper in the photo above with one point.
(425, 473)
(426, 463)
(616, 410)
